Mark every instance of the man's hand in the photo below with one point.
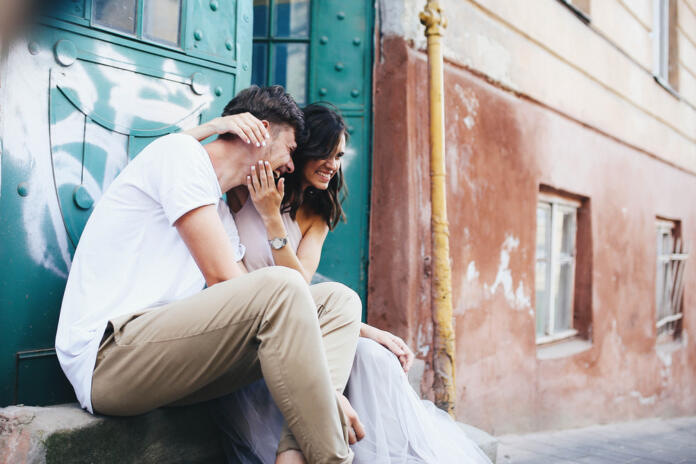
(356, 431)
(245, 125)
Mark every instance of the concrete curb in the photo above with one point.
(65, 434)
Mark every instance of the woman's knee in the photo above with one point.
(369, 351)
(345, 301)
(353, 303)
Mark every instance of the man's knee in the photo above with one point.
(281, 276)
(273, 278)
(285, 284)
(276, 288)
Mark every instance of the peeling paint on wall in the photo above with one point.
(471, 103)
(471, 273)
(424, 339)
(472, 292)
(517, 299)
(642, 399)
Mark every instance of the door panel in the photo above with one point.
(78, 102)
(344, 257)
(336, 67)
(341, 73)
(96, 110)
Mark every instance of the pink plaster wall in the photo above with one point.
(500, 148)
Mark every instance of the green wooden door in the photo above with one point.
(98, 80)
(321, 50)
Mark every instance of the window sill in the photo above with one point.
(669, 346)
(665, 85)
(563, 349)
(556, 337)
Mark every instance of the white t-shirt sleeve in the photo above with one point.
(186, 179)
(231, 229)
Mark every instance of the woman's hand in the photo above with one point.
(245, 125)
(266, 196)
(393, 343)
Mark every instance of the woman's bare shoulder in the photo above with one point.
(310, 220)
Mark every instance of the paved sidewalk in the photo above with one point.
(654, 441)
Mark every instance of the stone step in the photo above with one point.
(65, 434)
(488, 443)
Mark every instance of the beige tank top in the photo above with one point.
(252, 234)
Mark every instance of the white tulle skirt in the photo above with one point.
(400, 428)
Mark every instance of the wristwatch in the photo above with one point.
(278, 242)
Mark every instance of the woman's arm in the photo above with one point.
(391, 342)
(267, 198)
(245, 125)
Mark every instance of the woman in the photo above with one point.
(304, 206)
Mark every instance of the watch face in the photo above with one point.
(278, 243)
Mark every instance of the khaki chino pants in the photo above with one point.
(266, 323)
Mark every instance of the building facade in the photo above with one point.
(571, 173)
(571, 163)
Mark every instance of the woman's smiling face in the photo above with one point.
(318, 172)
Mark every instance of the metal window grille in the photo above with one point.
(671, 260)
(555, 267)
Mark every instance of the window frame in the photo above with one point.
(583, 15)
(554, 259)
(661, 32)
(661, 39)
(270, 40)
(139, 20)
(675, 257)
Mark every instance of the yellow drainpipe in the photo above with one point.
(443, 339)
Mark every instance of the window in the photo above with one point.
(581, 8)
(665, 44)
(154, 20)
(281, 45)
(671, 260)
(555, 266)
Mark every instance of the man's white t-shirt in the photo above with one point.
(130, 256)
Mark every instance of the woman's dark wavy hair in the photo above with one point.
(323, 129)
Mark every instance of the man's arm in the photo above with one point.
(244, 125)
(205, 237)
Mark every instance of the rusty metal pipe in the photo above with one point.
(443, 342)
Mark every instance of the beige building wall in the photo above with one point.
(599, 74)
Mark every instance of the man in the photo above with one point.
(136, 332)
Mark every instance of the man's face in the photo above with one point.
(279, 149)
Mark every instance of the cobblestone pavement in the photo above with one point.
(654, 441)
